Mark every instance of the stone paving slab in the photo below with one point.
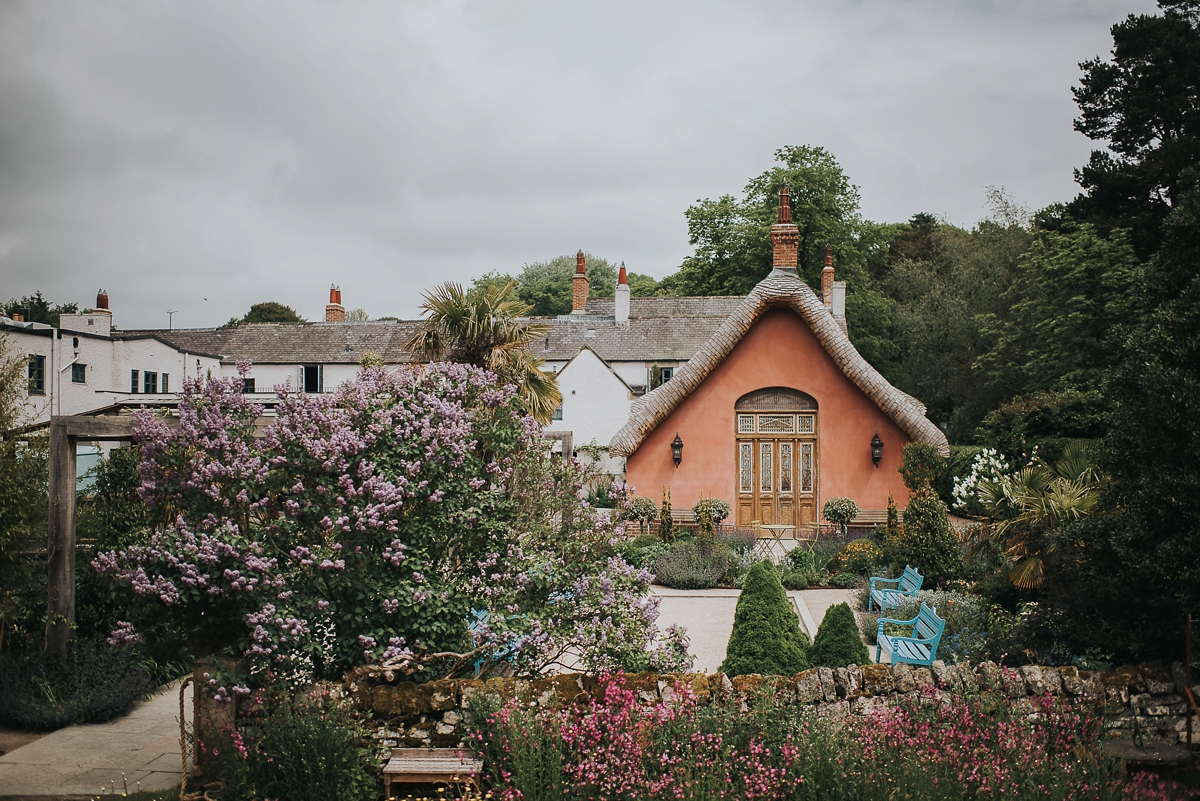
(143, 745)
(708, 616)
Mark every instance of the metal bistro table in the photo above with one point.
(766, 546)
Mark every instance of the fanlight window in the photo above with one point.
(775, 399)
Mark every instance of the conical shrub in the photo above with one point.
(838, 642)
(766, 635)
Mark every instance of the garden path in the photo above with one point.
(708, 617)
(142, 745)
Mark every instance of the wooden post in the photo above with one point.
(60, 562)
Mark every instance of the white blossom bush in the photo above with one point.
(988, 465)
(374, 524)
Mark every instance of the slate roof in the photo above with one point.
(660, 329)
(779, 289)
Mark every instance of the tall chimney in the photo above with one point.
(827, 278)
(102, 300)
(335, 312)
(785, 236)
(579, 286)
(621, 304)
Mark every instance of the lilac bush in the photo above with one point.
(367, 524)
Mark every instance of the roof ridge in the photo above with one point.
(777, 289)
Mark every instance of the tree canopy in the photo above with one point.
(546, 285)
(268, 312)
(37, 309)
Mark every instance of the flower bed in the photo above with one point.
(629, 744)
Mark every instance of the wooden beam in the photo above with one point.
(60, 564)
(114, 427)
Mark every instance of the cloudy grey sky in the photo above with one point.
(246, 151)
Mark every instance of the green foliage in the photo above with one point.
(838, 642)
(965, 636)
(1045, 420)
(766, 635)
(270, 312)
(859, 557)
(546, 285)
(36, 309)
(24, 504)
(893, 520)
(1071, 287)
(799, 569)
(846, 580)
(926, 541)
(717, 508)
(693, 565)
(922, 465)
(840, 511)
(666, 525)
(92, 684)
(643, 551)
(1141, 106)
(294, 749)
(643, 510)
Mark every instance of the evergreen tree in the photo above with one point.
(766, 635)
(838, 642)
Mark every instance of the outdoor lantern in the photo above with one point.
(876, 448)
(677, 449)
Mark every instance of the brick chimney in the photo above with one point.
(335, 312)
(827, 278)
(621, 306)
(785, 236)
(579, 286)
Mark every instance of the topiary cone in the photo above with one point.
(766, 635)
(838, 642)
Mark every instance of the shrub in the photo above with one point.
(838, 643)
(690, 565)
(922, 465)
(295, 749)
(643, 551)
(926, 541)
(643, 510)
(840, 511)
(766, 635)
(846, 580)
(93, 684)
(966, 619)
(893, 520)
(666, 524)
(716, 508)
(859, 556)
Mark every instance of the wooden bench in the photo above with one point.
(920, 646)
(869, 518)
(907, 586)
(431, 766)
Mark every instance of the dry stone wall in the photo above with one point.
(1149, 697)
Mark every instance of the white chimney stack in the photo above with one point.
(621, 305)
(838, 303)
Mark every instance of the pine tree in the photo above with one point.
(838, 642)
(766, 635)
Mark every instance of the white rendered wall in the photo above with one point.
(595, 404)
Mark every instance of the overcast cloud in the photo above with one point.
(247, 151)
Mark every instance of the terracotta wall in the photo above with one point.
(779, 351)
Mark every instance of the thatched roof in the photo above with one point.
(780, 289)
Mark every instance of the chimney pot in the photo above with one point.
(579, 285)
(785, 235)
(785, 204)
(335, 312)
(101, 299)
(621, 302)
(827, 278)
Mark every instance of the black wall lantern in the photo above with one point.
(677, 449)
(876, 449)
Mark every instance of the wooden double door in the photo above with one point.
(777, 469)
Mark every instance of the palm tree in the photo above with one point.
(485, 327)
(1029, 508)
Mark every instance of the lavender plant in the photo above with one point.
(365, 525)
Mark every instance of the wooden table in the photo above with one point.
(767, 546)
(451, 766)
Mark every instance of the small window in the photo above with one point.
(78, 373)
(667, 374)
(166, 381)
(75, 343)
(247, 386)
(557, 413)
(133, 382)
(806, 423)
(150, 382)
(37, 374)
(311, 376)
(746, 424)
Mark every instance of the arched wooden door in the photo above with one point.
(776, 440)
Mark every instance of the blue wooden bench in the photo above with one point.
(908, 585)
(921, 644)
